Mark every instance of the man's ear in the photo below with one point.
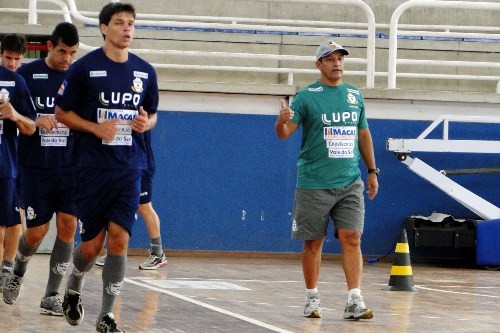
(104, 29)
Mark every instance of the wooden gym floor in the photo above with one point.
(200, 294)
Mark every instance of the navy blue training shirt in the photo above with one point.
(44, 149)
(99, 89)
(13, 87)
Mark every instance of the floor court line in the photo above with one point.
(208, 306)
(456, 292)
(241, 280)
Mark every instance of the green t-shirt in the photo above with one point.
(330, 119)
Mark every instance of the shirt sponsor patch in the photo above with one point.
(339, 132)
(40, 76)
(7, 83)
(340, 141)
(316, 89)
(123, 135)
(53, 141)
(354, 91)
(142, 75)
(98, 74)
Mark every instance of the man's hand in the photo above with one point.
(141, 121)
(283, 127)
(371, 185)
(7, 111)
(285, 113)
(47, 122)
(107, 129)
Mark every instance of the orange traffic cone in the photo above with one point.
(401, 273)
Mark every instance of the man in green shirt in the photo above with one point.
(335, 135)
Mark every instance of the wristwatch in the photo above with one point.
(375, 171)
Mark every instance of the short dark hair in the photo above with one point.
(14, 43)
(112, 8)
(65, 32)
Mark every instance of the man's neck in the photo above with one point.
(116, 54)
(49, 64)
(329, 83)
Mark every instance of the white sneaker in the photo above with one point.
(356, 309)
(313, 307)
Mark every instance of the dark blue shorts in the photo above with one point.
(19, 188)
(146, 186)
(105, 195)
(9, 214)
(47, 191)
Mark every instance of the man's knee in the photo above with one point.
(145, 209)
(35, 235)
(350, 238)
(118, 238)
(66, 227)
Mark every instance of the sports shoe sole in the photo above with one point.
(50, 312)
(364, 315)
(314, 314)
(72, 315)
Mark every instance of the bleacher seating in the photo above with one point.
(202, 27)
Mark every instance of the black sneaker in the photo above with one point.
(72, 307)
(107, 324)
(2, 279)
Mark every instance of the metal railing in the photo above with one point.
(280, 25)
(393, 43)
(264, 25)
(32, 10)
(304, 26)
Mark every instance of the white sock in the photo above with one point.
(312, 291)
(353, 291)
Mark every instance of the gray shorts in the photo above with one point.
(312, 209)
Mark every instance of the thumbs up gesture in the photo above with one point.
(285, 113)
(141, 121)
